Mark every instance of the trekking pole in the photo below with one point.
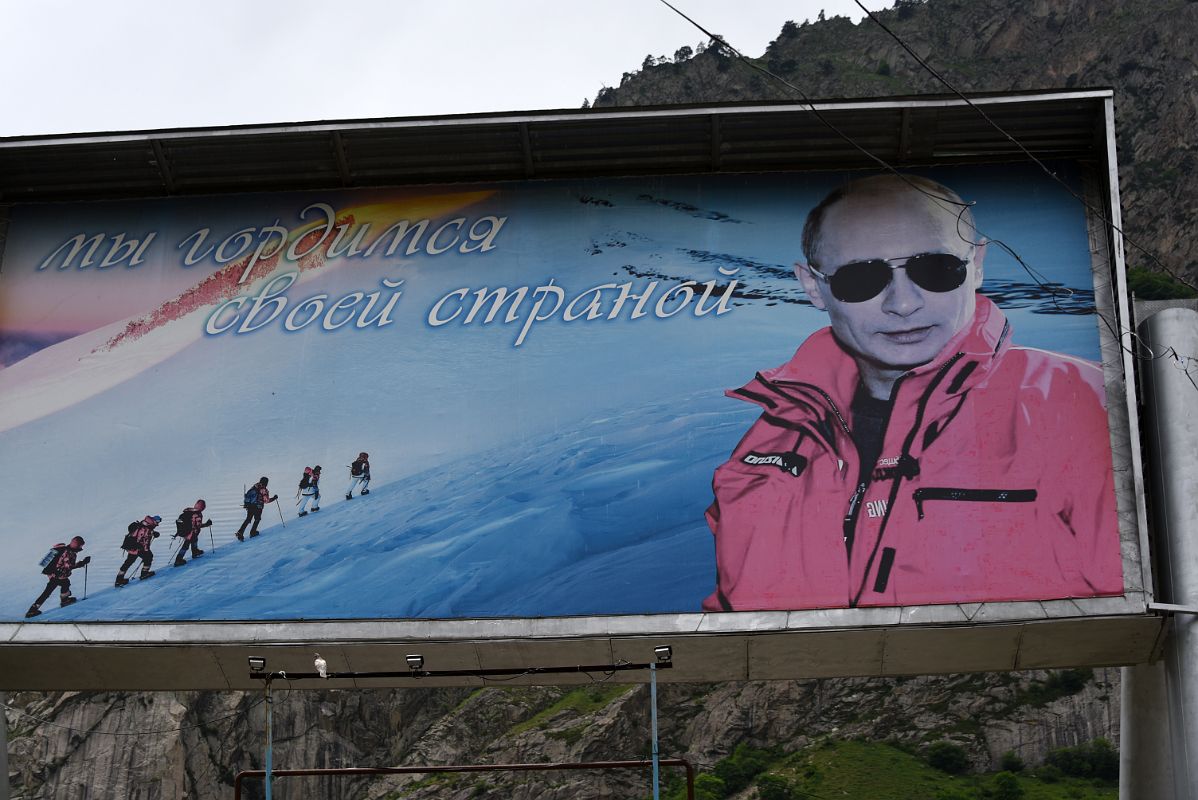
(85, 580)
(280, 510)
(211, 539)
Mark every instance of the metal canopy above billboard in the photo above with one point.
(758, 646)
(523, 149)
(549, 144)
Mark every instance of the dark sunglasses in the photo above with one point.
(859, 281)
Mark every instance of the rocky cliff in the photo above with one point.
(190, 745)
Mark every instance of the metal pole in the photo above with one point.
(653, 716)
(4, 748)
(1167, 692)
(269, 742)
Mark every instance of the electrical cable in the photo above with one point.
(719, 40)
(940, 200)
(1100, 212)
(1053, 291)
(1170, 352)
(490, 679)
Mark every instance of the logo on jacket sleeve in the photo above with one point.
(792, 463)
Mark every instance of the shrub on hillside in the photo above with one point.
(1050, 774)
(772, 787)
(738, 770)
(1010, 762)
(1098, 759)
(1006, 787)
(709, 787)
(948, 757)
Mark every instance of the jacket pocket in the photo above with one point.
(971, 496)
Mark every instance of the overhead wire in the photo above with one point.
(1100, 212)
(1053, 291)
(981, 112)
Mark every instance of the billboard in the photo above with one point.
(592, 397)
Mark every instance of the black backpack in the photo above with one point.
(304, 482)
(130, 543)
(183, 523)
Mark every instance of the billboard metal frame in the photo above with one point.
(920, 131)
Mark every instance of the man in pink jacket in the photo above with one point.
(910, 454)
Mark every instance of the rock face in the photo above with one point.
(1143, 49)
(191, 745)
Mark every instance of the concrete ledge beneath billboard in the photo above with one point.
(706, 647)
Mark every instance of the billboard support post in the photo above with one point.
(3, 746)
(269, 742)
(1172, 338)
(653, 716)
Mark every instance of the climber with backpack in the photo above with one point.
(309, 489)
(137, 544)
(256, 498)
(187, 527)
(359, 474)
(57, 565)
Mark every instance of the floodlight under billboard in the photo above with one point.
(486, 417)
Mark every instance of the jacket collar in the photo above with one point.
(822, 362)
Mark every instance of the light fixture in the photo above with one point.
(257, 663)
(663, 653)
(415, 661)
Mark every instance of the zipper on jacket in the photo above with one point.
(972, 496)
(850, 518)
(910, 470)
(854, 509)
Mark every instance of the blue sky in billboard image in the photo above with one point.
(136, 64)
(566, 476)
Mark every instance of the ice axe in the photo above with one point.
(280, 510)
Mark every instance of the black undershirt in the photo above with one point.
(869, 417)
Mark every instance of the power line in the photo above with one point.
(981, 112)
(936, 198)
(1032, 273)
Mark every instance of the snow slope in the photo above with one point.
(561, 531)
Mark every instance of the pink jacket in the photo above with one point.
(994, 483)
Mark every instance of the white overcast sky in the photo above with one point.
(108, 65)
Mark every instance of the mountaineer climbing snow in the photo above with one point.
(359, 475)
